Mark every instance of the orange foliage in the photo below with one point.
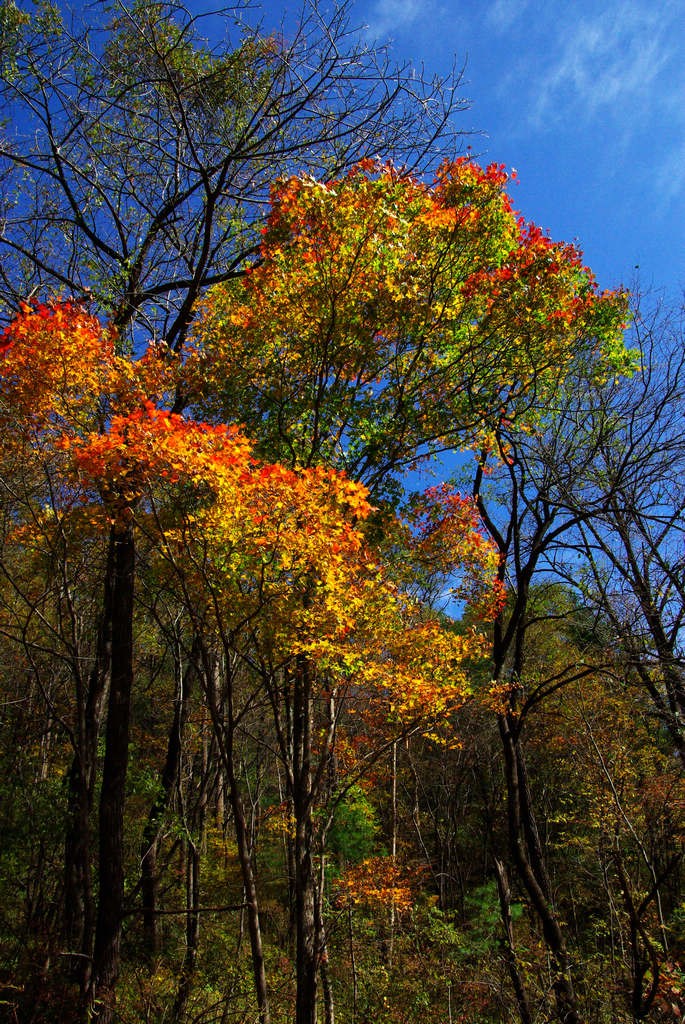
(376, 882)
(243, 535)
(434, 301)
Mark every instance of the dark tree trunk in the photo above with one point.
(290, 838)
(148, 851)
(77, 881)
(527, 855)
(305, 883)
(224, 732)
(194, 847)
(254, 928)
(509, 948)
(509, 635)
(305, 910)
(107, 951)
(79, 915)
(322, 947)
(646, 970)
(192, 931)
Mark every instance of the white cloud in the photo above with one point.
(389, 16)
(610, 61)
(504, 13)
(670, 177)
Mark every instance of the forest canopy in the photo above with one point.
(341, 574)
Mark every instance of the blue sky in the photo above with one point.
(585, 99)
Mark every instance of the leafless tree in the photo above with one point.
(631, 546)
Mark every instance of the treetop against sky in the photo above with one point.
(583, 98)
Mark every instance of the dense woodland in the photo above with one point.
(341, 553)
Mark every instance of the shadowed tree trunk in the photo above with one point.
(223, 721)
(192, 930)
(79, 909)
(509, 948)
(107, 951)
(148, 852)
(522, 540)
(305, 882)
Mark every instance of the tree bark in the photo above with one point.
(305, 883)
(107, 951)
(322, 945)
(253, 924)
(192, 931)
(79, 910)
(224, 731)
(148, 851)
(504, 893)
(527, 854)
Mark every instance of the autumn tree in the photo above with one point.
(136, 155)
(388, 320)
(60, 376)
(542, 494)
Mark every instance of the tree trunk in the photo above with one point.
(253, 924)
(107, 951)
(224, 730)
(393, 853)
(322, 946)
(79, 917)
(192, 931)
(508, 942)
(305, 911)
(527, 854)
(148, 850)
(305, 883)
(353, 962)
